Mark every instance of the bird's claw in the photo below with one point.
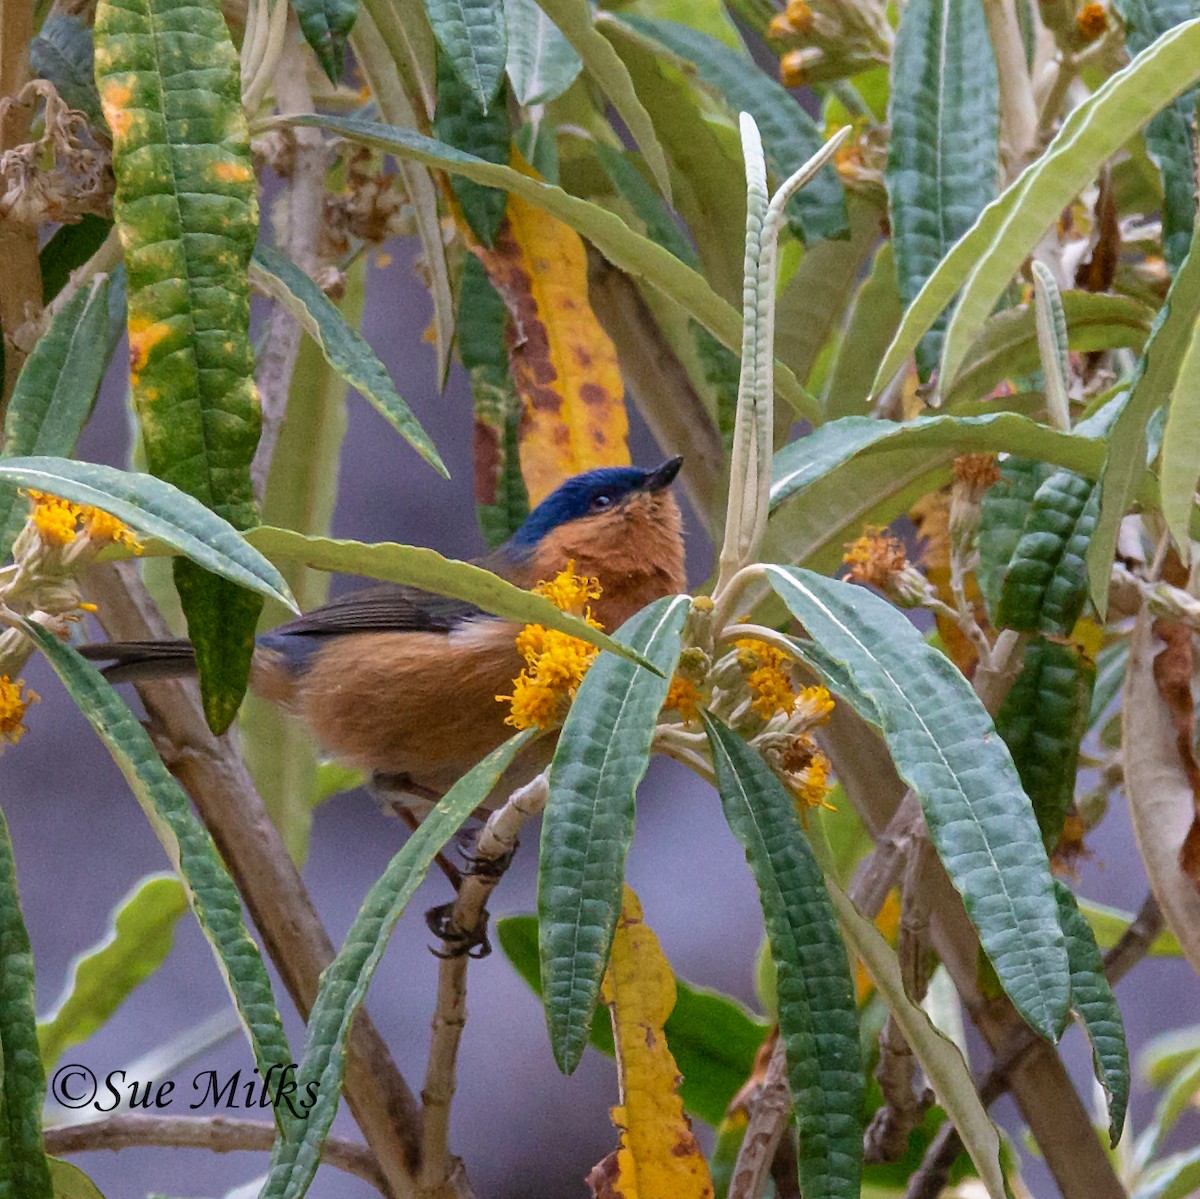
(458, 942)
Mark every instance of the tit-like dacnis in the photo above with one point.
(403, 683)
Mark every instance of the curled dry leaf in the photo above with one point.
(1162, 802)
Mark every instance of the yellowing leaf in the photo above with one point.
(658, 1157)
(562, 362)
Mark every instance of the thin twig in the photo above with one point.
(1018, 114)
(216, 1133)
(769, 1110)
(214, 773)
(440, 1171)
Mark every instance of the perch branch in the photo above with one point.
(769, 1110)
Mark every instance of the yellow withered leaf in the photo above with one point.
(562, 362)
(658, 1157)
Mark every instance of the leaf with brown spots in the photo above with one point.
(658, 1157)
(563, 363)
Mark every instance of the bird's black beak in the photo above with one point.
(663, 476)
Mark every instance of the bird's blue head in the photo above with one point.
(593, 493)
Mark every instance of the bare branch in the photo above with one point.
(217, 1133)
(770, 1110)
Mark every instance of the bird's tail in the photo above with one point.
(131, 660)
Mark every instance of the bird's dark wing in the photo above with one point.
(385, 608)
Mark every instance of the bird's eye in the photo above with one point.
(600, 502)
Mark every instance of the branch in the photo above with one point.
(212, 771)
(769, 1110)
(217, 1133)
(1018, 113)
(441, 1174)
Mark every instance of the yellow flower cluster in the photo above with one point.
(683, 696)
(876, 557)
(767, 676)
(58, 521)
(806, 770)
(14, 699)
(555, 662)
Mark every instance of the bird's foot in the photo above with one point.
(458, 942)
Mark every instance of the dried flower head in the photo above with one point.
(15, 698)
(1091, 21)
(876, 557)
(555, 662)
(801, 766)
(791, 68)
(976, 471)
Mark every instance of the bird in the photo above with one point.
(402, 683)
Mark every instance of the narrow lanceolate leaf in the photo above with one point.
(1042, 720)
(940, 1058)
(100, 980)
(602, 754)
(1096, 1006)
(62, 53)
(563, 364)
(343, 347)
(945, 747)
(425, 568)
(542, 64)
(943, 155)
(658, 1153)
(326, 24)
(1156, 378)
(150, 506)
(633, 253)
(1169, 135)
(24, 1172)
(1007, 346)
(987, 256)
(187, 213)
(57, 386)
(344, 982)
(1052, 344)
(576, 21)
(815, 994)
(501, 500)
(1181, 446)
(475, 38)
(712, 1037)
(460, 122)
(1044, 586)
(211, 892)
(790, 135)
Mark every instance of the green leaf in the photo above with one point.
(944, 746)
(576, 22)
(817, 1017)
(460, 122)
(1044, 586)
(985, 258)
(541, 62)
(1108, 925)
(475, 38)
(24, 1173)
(1169, 135)
(1181, 445)
(1007, 346)
(939, 1057)
(1156, 378)
(1175, 1177)
(57, 386)
(602, 754)
(62, 53)
(789, 134)
(68, 249)
(501, 499)
(70, 1182)
(872, 322)
(1042, 720)
(1111, 662)
(712, 1038)
(186, 208)
(425, 568)
(157, 509)
(1005, 510)
(326, 24)
(137, 943)
(211, 892)
(344, 981)
(636, 255)
(343, 347)
(943, 153)
(1094, 1003)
